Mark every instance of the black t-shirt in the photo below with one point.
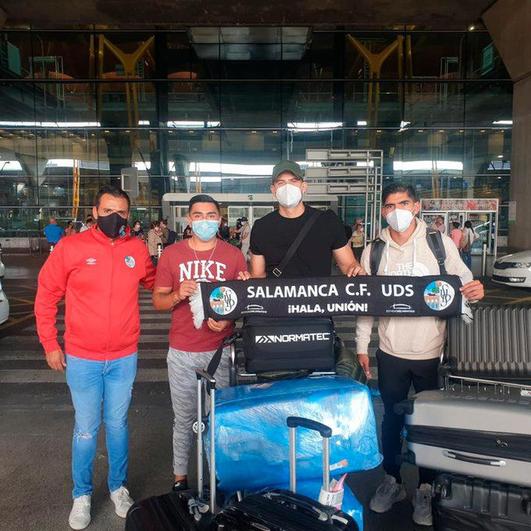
(273, 234)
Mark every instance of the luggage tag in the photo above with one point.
(334, 496)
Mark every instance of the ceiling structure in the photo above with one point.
(369, 14)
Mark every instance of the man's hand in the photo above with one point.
(355, 270)
(363, 360)
(186, 288)
(473, 291)
(217, 326)
(244, 275)
(56, 360)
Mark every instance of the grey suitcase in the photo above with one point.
(496, 345)
(474, 434)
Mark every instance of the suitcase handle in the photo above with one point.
(301, 422)
(211, 385)
(476, 460)
(325, 432)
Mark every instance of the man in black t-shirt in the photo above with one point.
(273, 234)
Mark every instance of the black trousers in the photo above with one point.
(395, 376)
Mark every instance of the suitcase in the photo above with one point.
(189, 510)
(496, 345)
(480, 434)
(288, 344)
(287, 510)
(169, 512)
(465, 504)
(251, 430)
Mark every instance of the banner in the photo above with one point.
(387, 296)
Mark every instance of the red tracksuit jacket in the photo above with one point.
(99, 279)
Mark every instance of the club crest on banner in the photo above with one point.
(438, 295)
(130, 261)
(223, 300)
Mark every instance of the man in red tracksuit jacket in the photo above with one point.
(98, 273)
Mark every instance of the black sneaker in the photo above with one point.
(180, 485)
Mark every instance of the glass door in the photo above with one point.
(258, 212)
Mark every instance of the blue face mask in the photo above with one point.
(205, 229)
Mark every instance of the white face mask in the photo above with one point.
(400, 219)
(289, 195)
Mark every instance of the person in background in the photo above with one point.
(168, 236)
(245, 237)
(154, 239)
(456, 234)
(137, 231)
(224, 231)
(165, 232)
(438, 224)
(69, 229)
(357, 240)
(89, 223)
(53, 232)
(468, 238)
(187, 232)
(98, 274)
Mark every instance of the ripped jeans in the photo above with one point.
(92, 383)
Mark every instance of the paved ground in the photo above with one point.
(36, 421)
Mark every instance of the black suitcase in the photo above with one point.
(169, 512)
(283, 510)
(288, 344)
(468, 504)
(496, 345)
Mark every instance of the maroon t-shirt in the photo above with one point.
(179, 262)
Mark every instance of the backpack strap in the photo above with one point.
(436, 245)
(377, 249)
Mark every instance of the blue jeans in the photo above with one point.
(467, 258)
(91, 383)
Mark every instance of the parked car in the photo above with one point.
(513, 269)
(4, 306)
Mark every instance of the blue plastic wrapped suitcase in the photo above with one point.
(252, 438)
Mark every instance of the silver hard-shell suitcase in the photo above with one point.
(480, 434)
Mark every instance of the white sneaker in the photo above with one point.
(122, 501)
(388, 493)
(422, 505)
(80, 514)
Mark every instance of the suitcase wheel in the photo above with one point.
(442, 488)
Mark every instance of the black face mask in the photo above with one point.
(112, 225)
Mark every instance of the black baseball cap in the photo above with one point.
(287, 165)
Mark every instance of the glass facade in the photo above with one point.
(213, 109)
